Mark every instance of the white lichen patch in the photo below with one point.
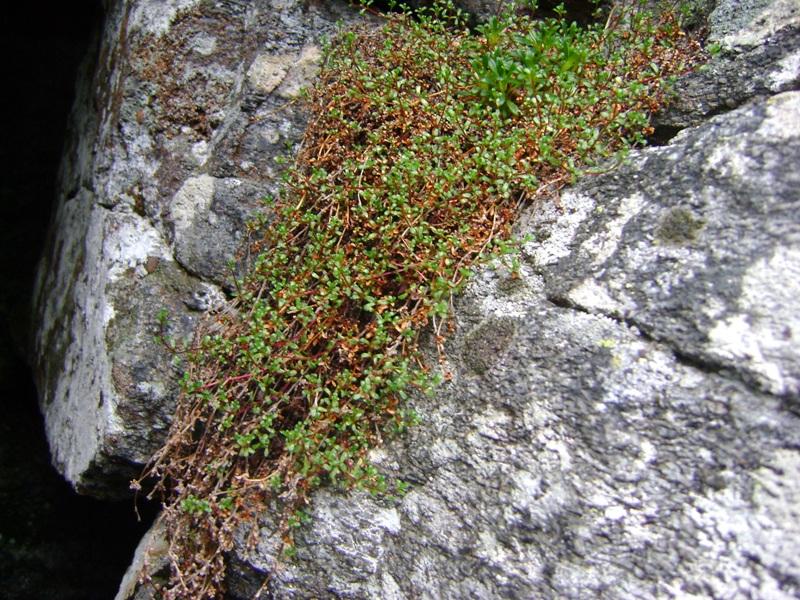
(490, 550)
(642, 372)
(744, 537)
(156, 16)
(777, 492)
(271, 135)
(615, 512)
(729, 159)
(389, 588)
(200, 151)
(493, 301)
(604, 243)
(190, 202)
(787, 71)
(648, 452)
(444, 452)
(747, 23)
(154, 389)
(783, 117)
(492, 424)
(526, 487)
(560, 449)
(713, 308)
(389, 520)
(734, 338)
(128, 242)
(591, 295)
(763, 335)
(204, 44)
(560, 226)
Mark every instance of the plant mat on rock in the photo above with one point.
(424, 143)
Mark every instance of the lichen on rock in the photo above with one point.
(171, 152)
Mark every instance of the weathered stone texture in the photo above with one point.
(757, 54)
(599, 436)
(712, 267)
(172, 146)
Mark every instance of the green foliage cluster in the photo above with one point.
(425, 141)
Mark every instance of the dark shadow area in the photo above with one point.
(662, 135)
(53, 543)
(582, 12)
(42, 51)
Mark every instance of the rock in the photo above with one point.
(757, 47)
(150, 556)
(749, 23)
(623, 414)
(172, 147)
(709, 269)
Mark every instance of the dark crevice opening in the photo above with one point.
(662, 135)
(53, 542)
(582, 12)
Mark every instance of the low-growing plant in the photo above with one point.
(424, 143)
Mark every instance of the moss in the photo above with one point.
(679, 226)
(485, 344)
(510, 285)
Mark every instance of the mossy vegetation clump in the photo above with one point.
(424, 143)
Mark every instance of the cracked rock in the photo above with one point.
(696, 244)
(622, 415)
(758, 47)
(171, 148)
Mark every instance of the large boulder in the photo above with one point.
(172, 145)
(622, 419)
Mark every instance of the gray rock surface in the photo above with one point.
(622, 419)
(714, 272)
(150, 557)
(756, 47)
(749, 23)
(173, 144)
